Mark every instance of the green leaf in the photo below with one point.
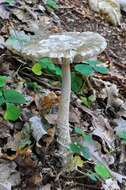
(92, 98)
(58, 71)
(93, 62)
(85, 152)
(102, 171)
(79, 131)
(84, 135)
(3, 81)
(36, 69)
(12, 112)
(75, 147)
(88, 138)
(84, 69)
(44, 62)
(76, 82)
(12, 96)
(17, 40)
(78, 161)
(52, 4)
(122, 135)
(48, 65)
(10, 2)
(85, 101)
(102, 70)
(2, 100)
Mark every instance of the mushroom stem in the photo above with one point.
(63, 131)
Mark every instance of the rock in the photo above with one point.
(110, 9)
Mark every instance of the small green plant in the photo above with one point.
(78, 149)
(91, 66)
(52, 4)
(46, 64)
(80, 79)
(122, 135)
(11, 99)
(87, 101)
(83, 71)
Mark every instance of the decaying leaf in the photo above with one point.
(49, 137)
(111, 92)
(9, 176)
(4, 13)
(51, 118)
(74, 116)
(46, 102)
(37, 179)
(103, 129)
(121, 128)
(37, 127)
(111, 184)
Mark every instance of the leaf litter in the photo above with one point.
(36, 166)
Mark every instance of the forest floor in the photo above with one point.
(37, 166)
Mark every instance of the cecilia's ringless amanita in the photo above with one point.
(65, 48)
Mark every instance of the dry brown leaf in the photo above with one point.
(50, 137)
(46, 102)
(51, 118)
(37, 179)
(74, 116)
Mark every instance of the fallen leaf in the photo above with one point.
(46, 187)
(37, 179)
(37, 127)
(48, 101)
(78, 161)
(111, 184)
(49, 137)
(51, 118)
(4, 14)
(10, 177)
(103, 129)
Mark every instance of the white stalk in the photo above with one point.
(63, 131)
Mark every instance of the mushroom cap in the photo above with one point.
(69, 45)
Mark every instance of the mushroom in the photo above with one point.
(65, 48)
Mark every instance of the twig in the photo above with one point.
(121, 65)
(40, 81)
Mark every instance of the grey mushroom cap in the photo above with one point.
(74, 46)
